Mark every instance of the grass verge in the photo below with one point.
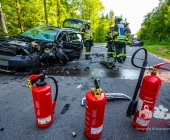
(161, 50)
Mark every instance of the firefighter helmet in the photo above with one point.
(88, 21)
(118, 18)
(125, 22)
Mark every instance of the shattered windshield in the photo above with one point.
(41, 33)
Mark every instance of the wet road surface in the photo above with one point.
(93, 68)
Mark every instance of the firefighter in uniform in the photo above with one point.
(87, 39)
(110, 42)
(119, 41)
(127, 34)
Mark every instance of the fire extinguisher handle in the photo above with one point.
(158, 66)
(97, 83)
(35, 78)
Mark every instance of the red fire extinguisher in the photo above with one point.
(42, 99)
(148, 95)
(94, 112)
(149, 90)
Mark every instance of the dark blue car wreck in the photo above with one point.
(41, 47)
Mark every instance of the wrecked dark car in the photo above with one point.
(41, 47)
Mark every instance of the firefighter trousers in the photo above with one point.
(124, 52)
(88, 46)
(119, 51)
(111, 49)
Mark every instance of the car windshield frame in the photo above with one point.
(45, 33)
(73, 23)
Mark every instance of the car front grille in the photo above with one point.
(7, 52)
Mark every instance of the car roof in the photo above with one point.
(74, 29)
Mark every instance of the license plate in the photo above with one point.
(4, 63)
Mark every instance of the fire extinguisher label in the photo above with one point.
(96, 130)
(44, 120)
(140, 103)
(142, 122)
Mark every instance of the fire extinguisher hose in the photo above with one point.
(141, 72)
(56, 93)
(131, 108)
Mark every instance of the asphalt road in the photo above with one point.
(17, 118)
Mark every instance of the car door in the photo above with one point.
(74, 43)
(75, 36)
(75, 39)
(72, 46)
(73, 23)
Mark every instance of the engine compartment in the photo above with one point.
(21, 54)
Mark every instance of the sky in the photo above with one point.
(132, 10)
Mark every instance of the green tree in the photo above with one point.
(21, 15)
(156, 25)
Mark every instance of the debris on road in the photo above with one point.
(87, 68)
(98, 55)
(79, 86)
(66, 107)
(109, 63)
(74, 134)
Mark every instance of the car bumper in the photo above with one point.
(16, 61)
(10, 63)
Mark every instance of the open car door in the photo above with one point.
(73, 23)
